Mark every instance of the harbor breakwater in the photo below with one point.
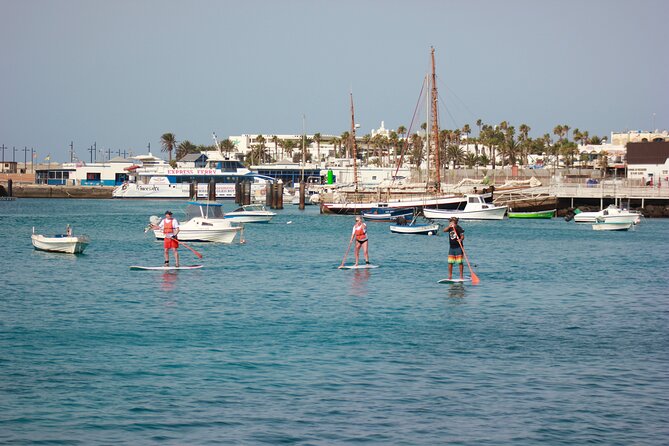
(47, 191)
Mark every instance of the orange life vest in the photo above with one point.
(167, 226)
(360, 232)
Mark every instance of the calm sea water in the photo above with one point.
(565, 341)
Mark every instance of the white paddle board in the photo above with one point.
(453, 280)
(163, 268)
(366, 266)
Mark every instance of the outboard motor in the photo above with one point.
(569, 216)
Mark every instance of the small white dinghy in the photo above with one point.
(66, 243)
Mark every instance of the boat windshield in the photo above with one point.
(204, 209)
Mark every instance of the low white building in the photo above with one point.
(109, 173)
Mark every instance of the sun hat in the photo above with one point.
(168, 212)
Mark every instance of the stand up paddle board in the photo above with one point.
(366, 266)
(453, 280)
(163, 268)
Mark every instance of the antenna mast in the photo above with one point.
(355, 148)
(435, 128)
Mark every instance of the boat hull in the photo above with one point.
(249, 218)
(204, 230)
(445, 202)
(611, 214)
(491, 213)
(67, 245)
(387, 215)
(428, 229)
(535, 214)
(607, 226)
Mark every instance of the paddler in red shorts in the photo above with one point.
(170, 227)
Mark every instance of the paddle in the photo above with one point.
(153, 225)
(185, 245)
(475, 279)
(345, 255)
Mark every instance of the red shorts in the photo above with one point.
(170, 243)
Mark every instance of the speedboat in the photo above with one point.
(387, 214)
(475, 209)
(67, 243)
(250, 213)
(205, 223)
(612, 214)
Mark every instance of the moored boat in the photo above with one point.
(206, 223)
(532, 214)
(415, 228)
(250, 213)
(386, 214)
(611, 214)
(603, 225)
(475, 209)
(65, 243)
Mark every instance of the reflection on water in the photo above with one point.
(456, 290)
(169, 280)
(359, 282)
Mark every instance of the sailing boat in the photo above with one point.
(432, 198)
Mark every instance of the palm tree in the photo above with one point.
(416, 157)
(454, 154)
(169, 143)
(275, 140)
(557, 131)
(288, 146)
(470, 159)
(184, 148)
(401, 130)
(317, 140)
(346, 143)
(228, 146)
(467, 131)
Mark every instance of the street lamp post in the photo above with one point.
(25, 160)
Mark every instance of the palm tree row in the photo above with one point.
(498, 145)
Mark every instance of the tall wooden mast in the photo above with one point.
(435, 128)
(355, 148)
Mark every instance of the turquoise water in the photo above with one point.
(563, 342)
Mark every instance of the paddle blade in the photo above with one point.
(475, 278)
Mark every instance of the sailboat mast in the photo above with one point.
(355, 147)
(435, 128)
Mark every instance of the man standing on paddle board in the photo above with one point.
(170, 227)
(455, 233)
(360, 235)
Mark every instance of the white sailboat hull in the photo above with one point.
(492, 213)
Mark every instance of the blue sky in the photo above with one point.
(121, 73)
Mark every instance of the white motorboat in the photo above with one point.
(612, 214)
(250, 213)
(206, 223)
(475, 209)
(603, 225)
(67, 243)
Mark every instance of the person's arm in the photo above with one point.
(175, 227)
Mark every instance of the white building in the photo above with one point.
(622, 138)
